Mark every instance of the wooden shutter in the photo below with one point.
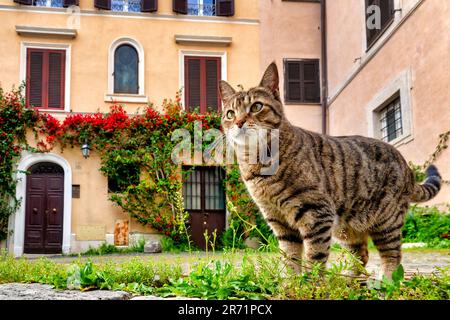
(370, 33)
(310, 83)
(180, 6)
(46, 78)
(102, 4)
(212, 68)
(225, 8)
(25, 2)
(387, 15)
(35, 81)
(302, 81)
(387, 12)
(293, 81)
(56, 70)
(149, 5)
(192, 83)
(68, 3)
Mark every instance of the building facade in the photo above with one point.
(338, 75)
(391, 83)
(84, 58)
(383, 70)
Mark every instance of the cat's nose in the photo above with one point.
(240, 122)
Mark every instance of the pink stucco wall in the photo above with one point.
(291, 30)
(420, 46)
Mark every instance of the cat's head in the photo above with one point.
(258, 108)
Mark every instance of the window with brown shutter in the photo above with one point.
(50, 4)
(46, 78)
(149, 5)
(225, 8)
(202, 76)
(24, 2)
(180, 6)
(387, 16)
(68, 3)
(102, 4)
(301, 81)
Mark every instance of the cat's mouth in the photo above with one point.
(243, 136)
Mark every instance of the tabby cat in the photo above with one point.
(350, 188)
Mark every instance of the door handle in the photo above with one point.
(54, 210)
(35, 210)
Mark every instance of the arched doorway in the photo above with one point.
(44, 208)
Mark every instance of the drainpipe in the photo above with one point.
(323, 28)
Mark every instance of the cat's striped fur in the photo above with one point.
(351, 188)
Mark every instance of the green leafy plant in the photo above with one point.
(15, 121)
(214, 280)
(135, 152)
(429, 225)
(389, 286)
(248, 276)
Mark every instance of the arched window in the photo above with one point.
(126, 69)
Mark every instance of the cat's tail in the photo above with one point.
(430, 188)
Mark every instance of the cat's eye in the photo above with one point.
(230, 114)
(256, 107)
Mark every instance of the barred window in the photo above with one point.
(203, 189)
(391, 121)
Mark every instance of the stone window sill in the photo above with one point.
(131, 98)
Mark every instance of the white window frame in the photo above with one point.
(140, 97)
(400, 85)
(24, 46)
(198, 53)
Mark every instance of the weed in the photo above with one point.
(230, 276)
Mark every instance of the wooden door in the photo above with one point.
(44, 209)
(204, 199)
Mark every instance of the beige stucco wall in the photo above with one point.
(420, 46)
(89, 73)
(292, 30)
(156, 34)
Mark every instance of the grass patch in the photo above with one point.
(105, 249)
(225, 276)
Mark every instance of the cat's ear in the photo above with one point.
(270, 78)
(226, 91)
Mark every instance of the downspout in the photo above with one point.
(323, 28)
